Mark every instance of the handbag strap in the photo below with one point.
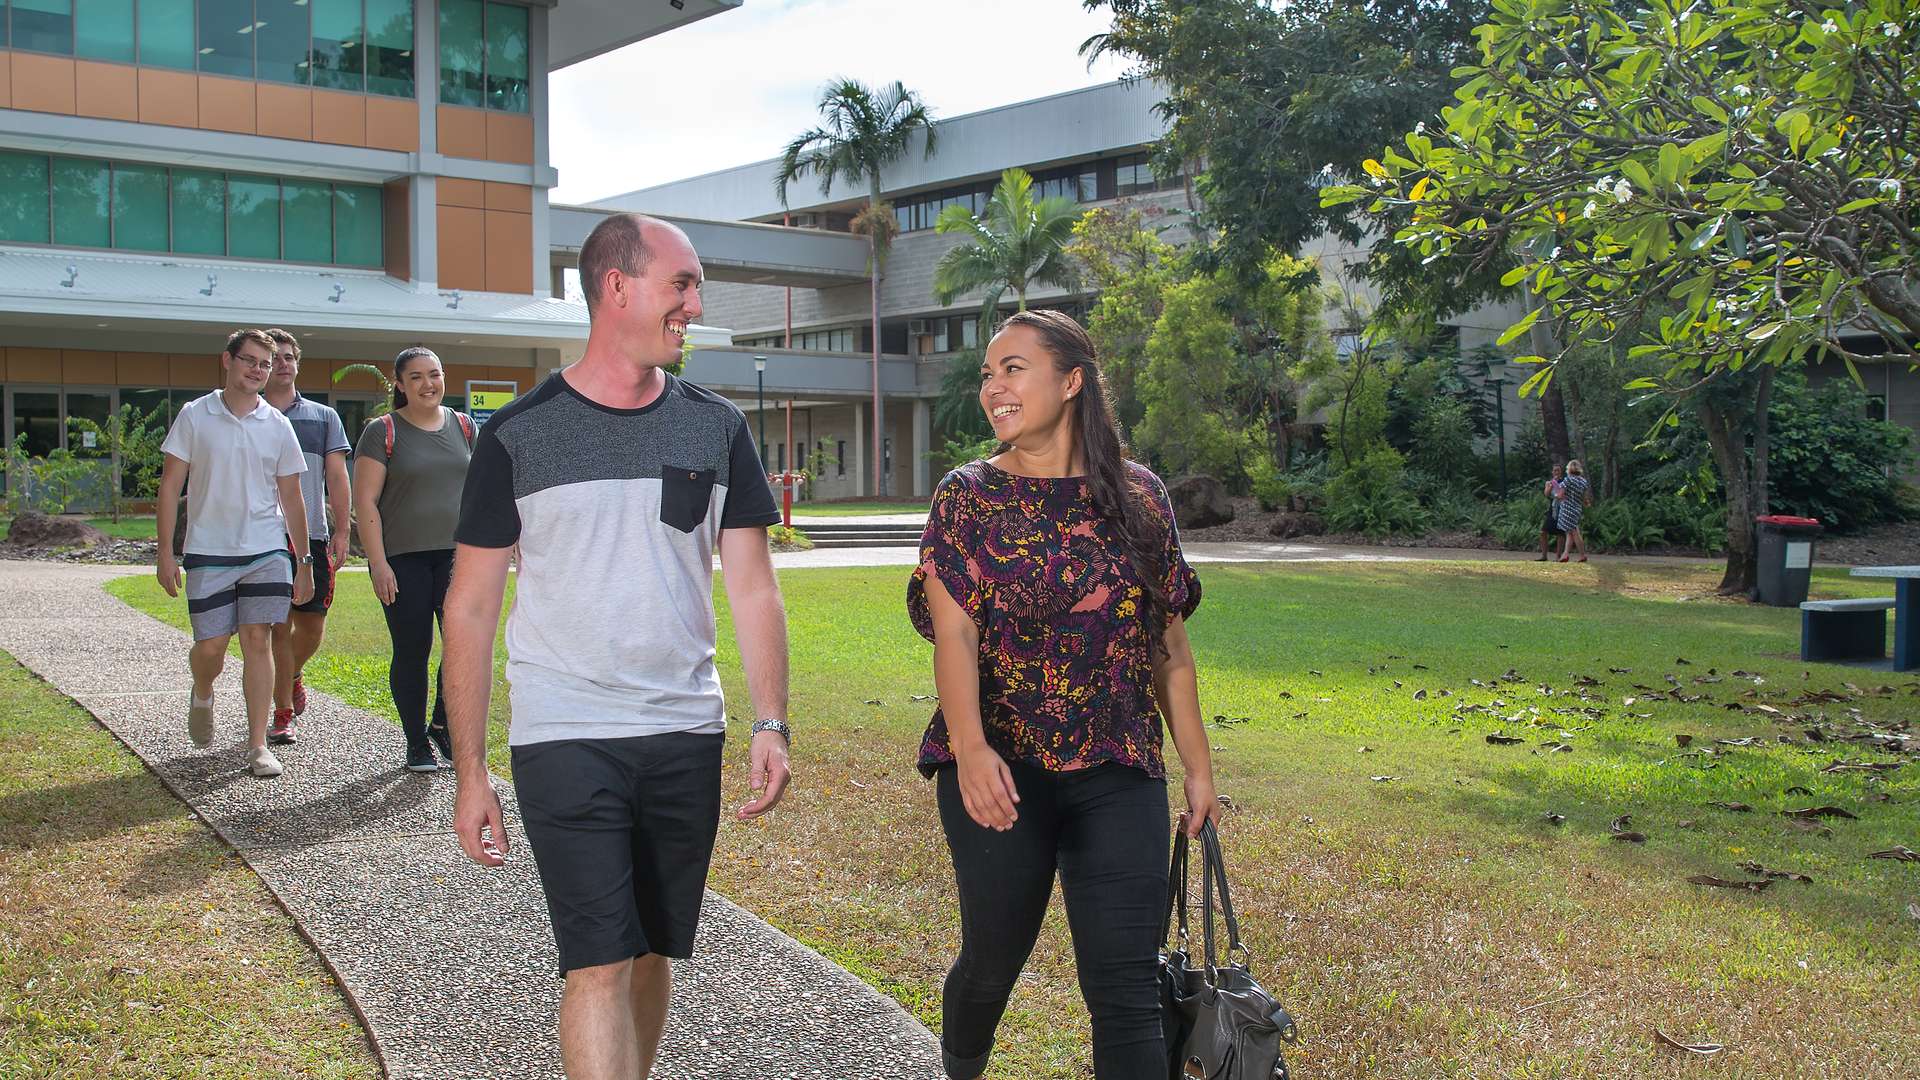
(1216, 869)
(1176, 889)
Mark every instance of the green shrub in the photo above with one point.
(1624, 523)
(1308, 482)
(1371, 496)
(1269, 484)
(788, 538)
(1486, 518)
(1906, 501)
(1453, 510)
(1830, 460)
(1519, 522)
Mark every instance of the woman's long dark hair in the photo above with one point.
(400, 363)
(1118, 497)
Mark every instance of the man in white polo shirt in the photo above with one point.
(240, 462)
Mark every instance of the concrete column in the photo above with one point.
(426, 73)
(423, 218)
(542, 244)
(859, 462)
(537, 105)
(922, 445)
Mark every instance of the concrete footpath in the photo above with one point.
(450, 965)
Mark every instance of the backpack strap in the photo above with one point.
(387, 419)
(466, 427)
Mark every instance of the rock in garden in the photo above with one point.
(1290, 524)
(34, 529)
(1200, 501)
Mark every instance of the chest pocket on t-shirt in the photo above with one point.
(685, 496)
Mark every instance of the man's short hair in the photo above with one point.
(617, 243)
(241, 337)
(282, 338)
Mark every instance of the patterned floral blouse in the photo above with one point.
(1066, 670)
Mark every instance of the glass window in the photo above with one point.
(37, 413)
(460, 53)
(140, 207)
(338, 55)
(43, 26)
(280, 37)
(356, 225)
(226, 37)
(199, 212)
(389, 47)
(166, 33)
(149, 402)
(80, 201)
(23, 198)
(103, 30)
(308, 210)
(87, 406)
(253, 217)
(507, 57)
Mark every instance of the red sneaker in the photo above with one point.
(281, 731)
(299, 696)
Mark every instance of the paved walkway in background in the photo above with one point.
(450, 965)
(1242, 552)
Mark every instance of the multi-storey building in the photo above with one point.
(365, 173)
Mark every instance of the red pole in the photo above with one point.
(786, 486)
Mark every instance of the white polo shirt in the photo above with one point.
(234, 466)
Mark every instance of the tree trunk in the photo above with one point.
(1762, 441)
(1553, 408)
(1730, 455)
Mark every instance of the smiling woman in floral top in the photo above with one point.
(1052, 586)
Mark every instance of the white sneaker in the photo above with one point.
(200, 720)
(263, 763)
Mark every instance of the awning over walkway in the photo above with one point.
(737, 251)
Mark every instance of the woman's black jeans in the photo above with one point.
(1105, 831)
(422, 577)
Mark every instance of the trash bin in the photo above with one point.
(1786, 558)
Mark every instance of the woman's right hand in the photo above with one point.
(385, 585)
(986, 787)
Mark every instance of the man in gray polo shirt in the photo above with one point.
(323, 487)
(617, 481)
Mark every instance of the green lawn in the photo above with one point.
(1432, 922)
(856, 509)
(127, 528)
(133, 943)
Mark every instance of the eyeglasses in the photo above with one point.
(258, 365)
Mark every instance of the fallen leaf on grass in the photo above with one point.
(1499, 739)
(873, 701)
(1229, 721)
(1366, 749)
(1682, 660)
(1683, 740)
(1813, 827)
(1841, 766)
(1312, 671)
(1750, 740)
(1554, 819)
(1913, 911)
(1383, 779)
(1620, 831)
(920, 697)
(1686, 823)
(1808, 813)
(1899, 853)
(1620, 670)
(1557, 748)
(1736, 807)
(1755, 868)
(1419, 695)
(1724, 883)
(1421, 667)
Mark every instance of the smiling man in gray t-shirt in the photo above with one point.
(616, 482)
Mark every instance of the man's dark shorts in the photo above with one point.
(623, 831)
(322, 580)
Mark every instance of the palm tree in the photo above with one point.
(1019, 242)
(862, 131)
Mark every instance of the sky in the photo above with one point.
(736, 87)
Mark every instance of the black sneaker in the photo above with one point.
(420, 758)
(442, 742)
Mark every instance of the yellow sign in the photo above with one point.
(489, 400)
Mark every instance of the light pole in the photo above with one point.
(760, 378)
(1499, 423)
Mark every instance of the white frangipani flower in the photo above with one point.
(1830, 26)
(1622, 191)
(1890, 188)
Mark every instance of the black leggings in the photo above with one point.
(1105, 830)
(422, 577)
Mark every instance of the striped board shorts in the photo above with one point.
(225, 592)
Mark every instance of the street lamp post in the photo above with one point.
(760, 378)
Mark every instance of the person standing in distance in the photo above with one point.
(617, 481)
(323, 488)
(240, 463)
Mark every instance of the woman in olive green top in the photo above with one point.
(409, 469)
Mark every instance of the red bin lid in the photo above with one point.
(1786, 519)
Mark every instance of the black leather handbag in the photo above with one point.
(1219, 1023)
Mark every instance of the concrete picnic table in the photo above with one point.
(1906, 635)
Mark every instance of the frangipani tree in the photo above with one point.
(1730, 182)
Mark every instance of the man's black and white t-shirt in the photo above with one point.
(617, 512)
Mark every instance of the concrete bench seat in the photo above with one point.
(1851, 630)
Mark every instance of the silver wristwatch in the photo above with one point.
(307, 559)
(774, 725)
